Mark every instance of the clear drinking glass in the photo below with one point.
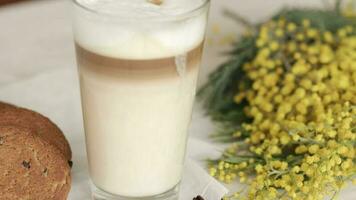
(138, 69)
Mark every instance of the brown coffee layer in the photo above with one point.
(130, 69)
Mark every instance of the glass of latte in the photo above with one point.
(138, 63)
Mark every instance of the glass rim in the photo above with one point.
(186, 14)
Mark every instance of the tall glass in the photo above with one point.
(138, 71)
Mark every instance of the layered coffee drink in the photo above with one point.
(138, 66)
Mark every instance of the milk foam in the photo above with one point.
(137, 29)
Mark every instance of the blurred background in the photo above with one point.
(36, 35)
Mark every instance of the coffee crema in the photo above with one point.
(138, 70)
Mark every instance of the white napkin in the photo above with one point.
(55, 93)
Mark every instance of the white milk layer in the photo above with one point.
(136, 131)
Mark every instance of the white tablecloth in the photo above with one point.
(37, 70)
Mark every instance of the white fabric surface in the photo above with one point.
(37, 71)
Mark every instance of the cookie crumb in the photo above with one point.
(156, 2)
(198, 198)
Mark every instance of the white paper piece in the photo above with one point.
(197, 182)
(56, 94)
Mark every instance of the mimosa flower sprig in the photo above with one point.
(286, 100)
